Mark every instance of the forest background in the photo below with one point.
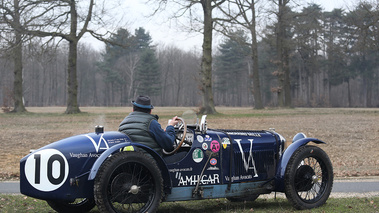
(332, 58)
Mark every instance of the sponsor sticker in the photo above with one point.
(207, 138)
(197, 155)
(200, 139)
(215, 146)
(213, 161)
(204, 146)
(225, 142)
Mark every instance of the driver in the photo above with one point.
(143, 127)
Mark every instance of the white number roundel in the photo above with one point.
(46, 170)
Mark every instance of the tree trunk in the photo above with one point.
(284, 90)
(368, 86)
(287, 80)
(348, 92)
(279, 47)
(256, 83)
(17, 57)
(206, 61)
(72, 81)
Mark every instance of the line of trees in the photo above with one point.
(308, 58)
(22, 21)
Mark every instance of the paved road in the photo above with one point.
(357, 186)
(9, 187)
(339, 186)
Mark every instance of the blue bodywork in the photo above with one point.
(219, 163)
(80, 152)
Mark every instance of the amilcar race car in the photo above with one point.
(109, 170)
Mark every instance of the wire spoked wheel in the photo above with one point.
(128, 182)
(308, 178)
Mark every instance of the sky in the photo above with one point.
(165, 32)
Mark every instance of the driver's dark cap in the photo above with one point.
(143, 102)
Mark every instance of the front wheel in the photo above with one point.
(128, 182)
(308, 178)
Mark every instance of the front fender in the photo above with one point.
(283, 161)
(160, 162)
(103, 157)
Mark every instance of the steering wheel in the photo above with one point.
(182, 126)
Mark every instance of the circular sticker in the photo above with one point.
(200, 138)
(215, 146)
(204, 146)
(197, 155)
(213, 161)
(46, 170)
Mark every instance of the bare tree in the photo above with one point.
(179, 73)
(243, 13)
(17, 54)
(282, 47)
(127, 66)
(208, 106)
(15, 16)
(208, 6)
(65, 15)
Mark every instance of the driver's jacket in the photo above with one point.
(144, 128)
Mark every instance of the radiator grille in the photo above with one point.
(263, 161)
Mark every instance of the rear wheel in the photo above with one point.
(77, 206)
(308, 178)
(128, 182)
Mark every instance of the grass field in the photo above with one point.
(352, 135)
(20, 203)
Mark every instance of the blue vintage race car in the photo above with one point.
(108, 170)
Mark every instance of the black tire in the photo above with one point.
(78, 206)
(128, 182)
(249, 198)
(308, 178)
